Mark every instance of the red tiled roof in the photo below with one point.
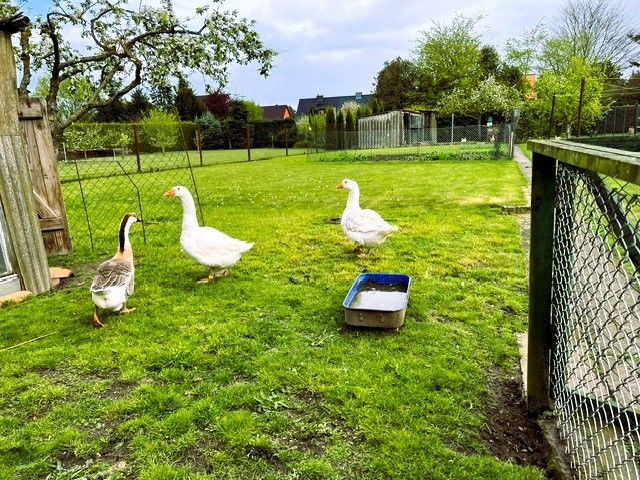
(276, 112)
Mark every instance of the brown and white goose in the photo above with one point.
(206, 245)
(114, 279)
(362, 225)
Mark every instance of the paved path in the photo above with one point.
(524, 220)
(523, 162)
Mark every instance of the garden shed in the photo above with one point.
(397, 128)
(23, 259)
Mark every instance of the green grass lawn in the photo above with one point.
(255, 376)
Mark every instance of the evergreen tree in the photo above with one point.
(138, 107)
(211, 131)
(349, 128)
(186, 103)
(163, 97)
(330, 128)
(235, 125)
(340, 129)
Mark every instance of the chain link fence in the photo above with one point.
(456, 142)
(620, 119)
(595, 320)
(100, 185)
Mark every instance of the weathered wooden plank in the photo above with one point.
(543, 192)
(15, 182)
(30, 110)
(51, 224)
(608, 161)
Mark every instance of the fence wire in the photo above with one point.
(595, 373)
(99, 191)
(454, 142)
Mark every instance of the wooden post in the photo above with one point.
(540, 280)
(248, 143)
(16, 188)
(286, 139)
(199, 143)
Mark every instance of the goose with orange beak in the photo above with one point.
(206, 245)
(364, 226)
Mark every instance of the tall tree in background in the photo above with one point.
(163, 97)
(330, 128)
(566, 87)
(450, 54)
(489, 62)
(597, 31)
(488, 97)
(139, 106)
(394, 84)
(127, 47)
(635, 58)
(186, 103)
(218, 103)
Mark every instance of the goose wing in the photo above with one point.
(113, 273)
(209, 241)
(366, 221)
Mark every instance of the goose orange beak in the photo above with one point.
(170, 193)
(340, 185)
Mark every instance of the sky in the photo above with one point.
(337, 47)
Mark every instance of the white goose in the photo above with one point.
(114, 279)
(206, 245)
(364, 226)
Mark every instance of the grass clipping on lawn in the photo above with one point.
(255, 376)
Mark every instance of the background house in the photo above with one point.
(277, 112)
(321, 103)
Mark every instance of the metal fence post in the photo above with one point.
(136, 147)
(540, 281)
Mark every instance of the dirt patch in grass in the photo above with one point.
(510, 433)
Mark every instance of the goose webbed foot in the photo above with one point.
(214, 275)
(96, 318)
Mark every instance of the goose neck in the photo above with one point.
(353, 200)
(125, 244)
(189, 217)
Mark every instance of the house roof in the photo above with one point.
(276, 112)
(320, 102)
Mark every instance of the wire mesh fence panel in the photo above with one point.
(595, 375)
(98, 192)
(620, 119)
(456, 142)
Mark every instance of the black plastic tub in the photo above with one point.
(377, 300)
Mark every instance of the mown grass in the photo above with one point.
(255, 376)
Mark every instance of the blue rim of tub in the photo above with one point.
(399, 278)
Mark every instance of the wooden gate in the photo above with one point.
(44, 175)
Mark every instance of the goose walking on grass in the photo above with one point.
(364, 226)
(114, 279)
(206, 245)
